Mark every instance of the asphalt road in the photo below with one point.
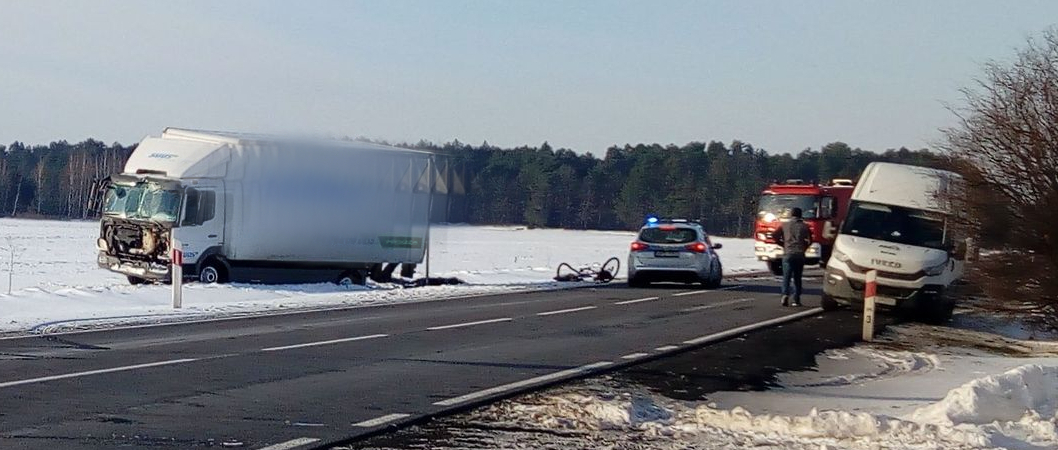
(304, 380)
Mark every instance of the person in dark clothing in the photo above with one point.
(795, 237)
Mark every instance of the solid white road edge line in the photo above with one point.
(564, 311)
(727, 288)
(291, 444)
(666, 348)
(718, 305)
(753, 326)
(635, 356)
(470, 324)
(382, 420)
(333, 341)
(520, 384)
(640, 300)
(95, 372)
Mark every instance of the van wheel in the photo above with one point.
(828, 303)
(136, 281)
(351, 278)
(212, 271)
(775, 266)
(937, 310)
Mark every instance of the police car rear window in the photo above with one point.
(668, 236)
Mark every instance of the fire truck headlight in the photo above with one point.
(769, 217)
(762, 236)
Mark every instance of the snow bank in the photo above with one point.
(1013, 410)
(57, 285)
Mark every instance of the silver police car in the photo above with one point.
(674, 250)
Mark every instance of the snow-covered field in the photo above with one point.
(57, 286)
(921, 387)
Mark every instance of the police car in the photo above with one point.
(674, 250)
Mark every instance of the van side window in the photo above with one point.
(201, 207)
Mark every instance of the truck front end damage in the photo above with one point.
(135, 230)
(137, 249)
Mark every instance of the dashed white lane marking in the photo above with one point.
(291, 444)
(666, 348)
(639, 300)
(635, 356)
(332, 341)
(470, 324)
(520, 384)
(718, 305)
(753, 326)
(564, 311)
(681, 294)
(380, 420)
(95, 372)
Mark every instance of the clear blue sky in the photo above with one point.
(579, 74)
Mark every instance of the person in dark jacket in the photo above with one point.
(795, 237)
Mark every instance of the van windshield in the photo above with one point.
(142, 201)
(895, 224)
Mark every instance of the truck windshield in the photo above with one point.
(780, 205)
(142, 201)
(895, 224)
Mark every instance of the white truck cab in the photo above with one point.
(898, 225)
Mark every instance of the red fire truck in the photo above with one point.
(823, 206)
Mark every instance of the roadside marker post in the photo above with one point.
(869, 293)
(177, 260)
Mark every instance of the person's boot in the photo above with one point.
(786, 300)
(796, 301)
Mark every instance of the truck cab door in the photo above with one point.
(202, 223)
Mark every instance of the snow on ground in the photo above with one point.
(56, 284)
(920, 387)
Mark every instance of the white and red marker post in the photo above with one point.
(870, 291)
(176, 258)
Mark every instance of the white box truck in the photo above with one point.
(898, 224)
(264, 208)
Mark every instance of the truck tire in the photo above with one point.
(775, 266)
(828, 303)
(135, 281)
(351, 278)
(212, 271)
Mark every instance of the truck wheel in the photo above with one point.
(212, 271)
(828, 303)
(775, 266)
(135, 281)
(350, 278)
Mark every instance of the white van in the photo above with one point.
(898, 224)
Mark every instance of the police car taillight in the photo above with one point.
(639, 246)
(697, 247)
